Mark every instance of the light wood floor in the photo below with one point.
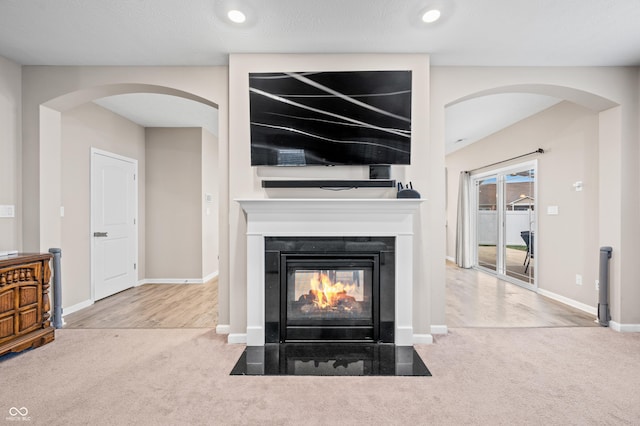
(515, 260)
(153, 306)
(474, 299)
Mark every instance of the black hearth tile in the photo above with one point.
(330, 359)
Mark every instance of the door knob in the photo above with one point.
(99, 234)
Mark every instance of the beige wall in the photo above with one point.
(85, 127)
(567, 243)
(64, 88)
(10, 155)
(90, 126)
(173, 210)
(612, 92)
(210, 263)
(245, 181)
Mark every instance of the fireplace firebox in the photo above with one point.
(329, 289)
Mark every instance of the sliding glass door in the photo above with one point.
(504, 222)
(487, 229)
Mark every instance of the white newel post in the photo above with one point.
(330, 217)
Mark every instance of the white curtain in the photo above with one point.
(463, 225)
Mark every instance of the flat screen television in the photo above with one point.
(330, 118)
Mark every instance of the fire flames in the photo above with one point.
(327, 295)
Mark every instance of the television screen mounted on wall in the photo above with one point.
(330, 118)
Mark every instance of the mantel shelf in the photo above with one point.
(345, 183)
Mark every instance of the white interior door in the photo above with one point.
(113, 222)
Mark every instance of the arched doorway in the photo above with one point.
(53, 130)
(568, 132)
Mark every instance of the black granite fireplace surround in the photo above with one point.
(357, 305)
(330, 359)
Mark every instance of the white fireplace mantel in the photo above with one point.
(330, 217)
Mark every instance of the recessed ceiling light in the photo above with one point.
(236, 16)
(431, 16)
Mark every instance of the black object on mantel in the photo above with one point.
(376, 183)
(380, 171)
(407, 192)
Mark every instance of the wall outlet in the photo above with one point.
(597, 285)
(578, 279)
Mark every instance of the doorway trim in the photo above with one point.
(134, 162)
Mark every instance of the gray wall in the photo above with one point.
(568, 242)
(50, 90)
(617, 90)
(10, 155)
(175, 240)
(174, 203)
(90, 126)
(210, 179)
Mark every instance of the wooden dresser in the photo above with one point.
(24, 302)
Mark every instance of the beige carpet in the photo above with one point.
(549, 376)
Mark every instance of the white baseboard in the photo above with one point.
(624, 328)
(592, 310)
(223, 329)
(209, 277)
(237, 338)
(423, 339)
(172, 281)
(439, 329)
(75, 308)
(451, 259)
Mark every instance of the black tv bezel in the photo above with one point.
(399, 145)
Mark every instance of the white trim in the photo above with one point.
(113, 155)
(624, 328)
(592, 310)
(425, 339)
(211, 276)
(172, 281)
(76, 307)
(223, 329)
(451, 259)
(237, 338)
(439, 329)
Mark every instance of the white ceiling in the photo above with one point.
(469, 121)
(192, 32)
(155, 110)
(195, 33)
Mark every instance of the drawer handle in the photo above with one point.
(99, 234)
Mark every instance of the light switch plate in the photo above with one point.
(552, 210)
(7, 211)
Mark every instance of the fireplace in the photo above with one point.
(329, 289)
(384, 222)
